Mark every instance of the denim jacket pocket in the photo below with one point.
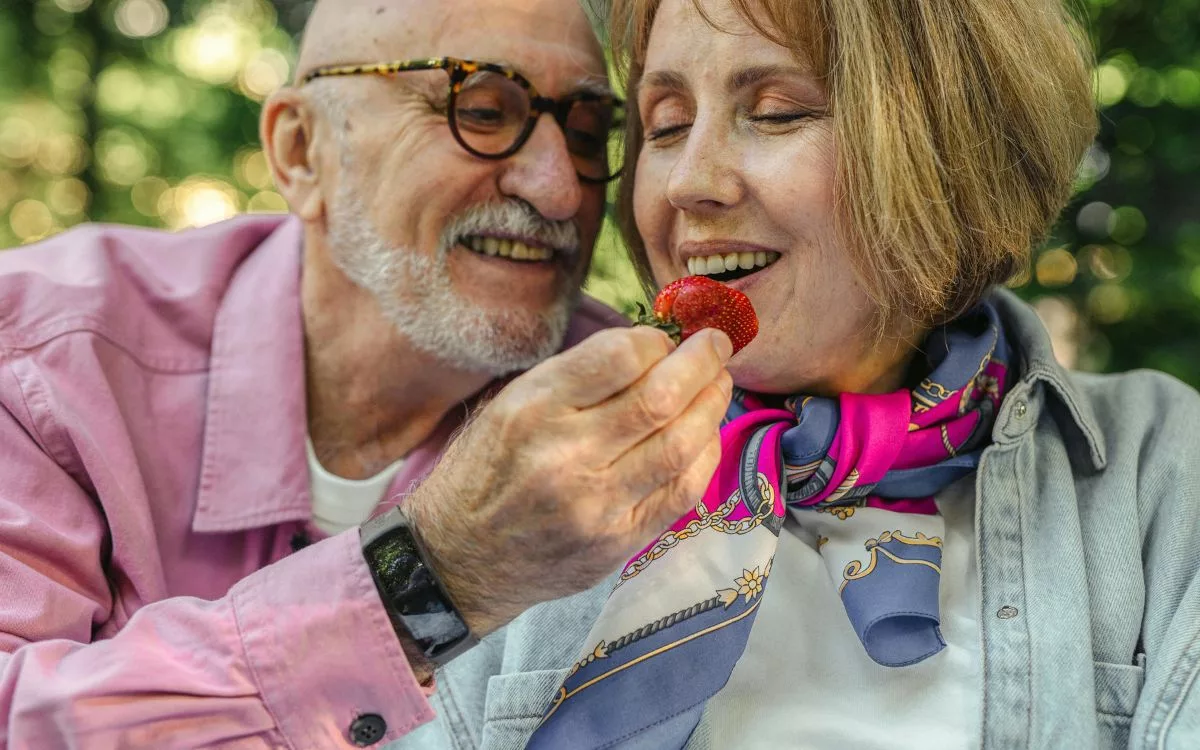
(515, 704)
(1118, 687)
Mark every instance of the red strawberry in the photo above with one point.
(694, 303)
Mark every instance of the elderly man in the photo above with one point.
(180, 414)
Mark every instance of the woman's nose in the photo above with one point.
(705, 178)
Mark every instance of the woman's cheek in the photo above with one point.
(651, 215)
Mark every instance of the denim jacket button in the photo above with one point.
(1007, 613)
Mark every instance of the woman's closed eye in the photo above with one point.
(666, 131)
(780, 118)
(777, 111)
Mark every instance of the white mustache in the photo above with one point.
(513, 220)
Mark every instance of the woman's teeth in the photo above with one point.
(712, 265)
(511, 249)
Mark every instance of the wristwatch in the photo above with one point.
(412, 594)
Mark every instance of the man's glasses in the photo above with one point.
(493, 109)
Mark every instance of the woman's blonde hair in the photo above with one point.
(959, 127)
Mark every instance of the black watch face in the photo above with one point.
(412, 594)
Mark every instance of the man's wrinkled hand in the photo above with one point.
(572, 468)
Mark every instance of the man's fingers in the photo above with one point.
(658, 398)
(672, 451)
(663, 507)
(599, 368)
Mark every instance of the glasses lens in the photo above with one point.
(491, 111)
(592, 131)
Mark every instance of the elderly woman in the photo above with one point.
(924, 532)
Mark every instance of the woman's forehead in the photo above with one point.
(686, 44)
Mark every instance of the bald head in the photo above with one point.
(343, 32)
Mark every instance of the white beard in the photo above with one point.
(416, 295)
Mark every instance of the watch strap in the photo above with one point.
(411, 592)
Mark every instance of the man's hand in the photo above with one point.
(572, 468)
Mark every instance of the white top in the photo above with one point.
(340, 504)
(805, 681)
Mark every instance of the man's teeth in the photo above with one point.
(513, 249)
(711, 265)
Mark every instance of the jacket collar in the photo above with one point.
(1038, 367)
(254, 471)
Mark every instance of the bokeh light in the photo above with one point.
(1183, 87)
(267, 202)
(1063, 323)
(1109, 303)
(1127, 225)
(142, 18)
(251, 168)
(1106, 263)
(215, 49)
(62, 154)
(198, 202)
(1093, 218)
(68, 197)
(18, 140)
(146, 194)
(30, 220)
(1146, 88)
(1112, 81)
(119, 89)
(69, 72)
(124, 156)
(1056, 267)
(1094, 167)
(266, 71)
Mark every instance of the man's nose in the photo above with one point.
(543, 173)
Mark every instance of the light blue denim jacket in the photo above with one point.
(1088, 534)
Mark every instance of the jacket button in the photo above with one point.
(1021, 409)
(1007, 613)
(367, 730)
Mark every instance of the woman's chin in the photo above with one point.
(753, 372)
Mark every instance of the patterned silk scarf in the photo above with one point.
(678, 619)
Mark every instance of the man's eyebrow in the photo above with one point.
(589, 84)
(747, 77)
(592, 85)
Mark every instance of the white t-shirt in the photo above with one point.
(805, 681)
(340, 504)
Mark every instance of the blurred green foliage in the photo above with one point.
(146, 112)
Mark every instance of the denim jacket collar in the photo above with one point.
(1037, 366)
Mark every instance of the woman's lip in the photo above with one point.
(687, 250)
(745, 282)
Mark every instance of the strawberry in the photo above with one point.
(694, 303)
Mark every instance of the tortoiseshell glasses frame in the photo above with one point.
(492, 110)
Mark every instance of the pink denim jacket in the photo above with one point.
(152, 480)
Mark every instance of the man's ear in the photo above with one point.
(289, 139)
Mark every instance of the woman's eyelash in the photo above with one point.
(781, 118)
(666, 132)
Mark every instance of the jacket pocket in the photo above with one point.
(1118, 687)
(515, 704)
